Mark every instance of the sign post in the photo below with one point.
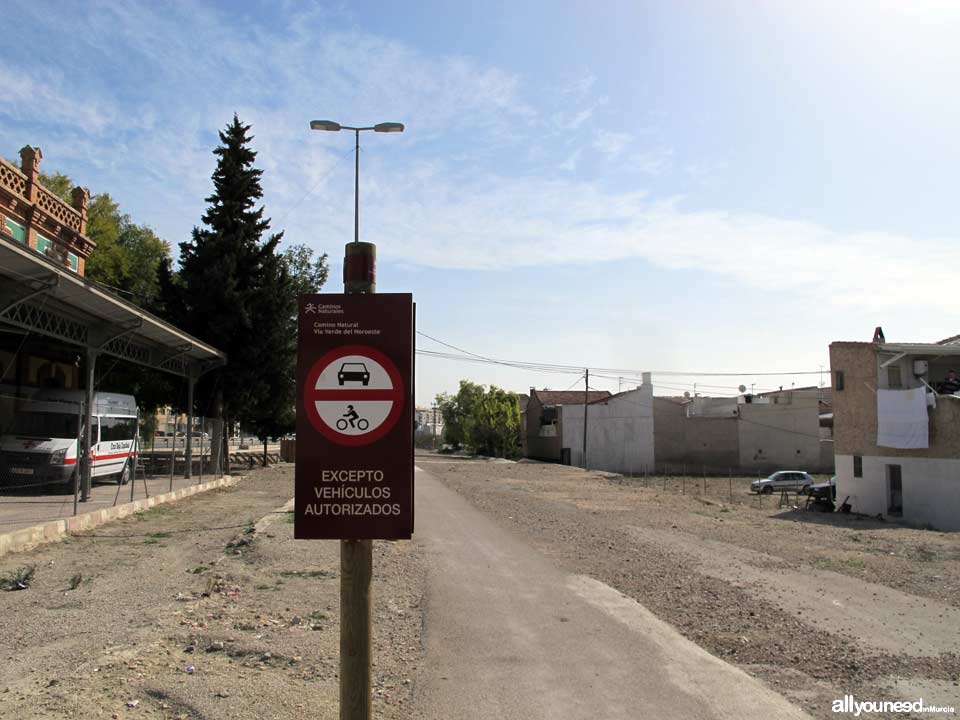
(354, 464)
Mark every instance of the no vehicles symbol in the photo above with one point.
(353, 395)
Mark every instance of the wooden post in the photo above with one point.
(356, 622)
(356, 556)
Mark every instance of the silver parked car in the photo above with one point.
(795, 480)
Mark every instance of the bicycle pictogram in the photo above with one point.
(352, 419)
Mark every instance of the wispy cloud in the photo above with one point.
(612, 144)
(496, 223)
(652, 162)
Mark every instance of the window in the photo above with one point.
(57, 253)
(18, 231)
(549, 416)
(113, 429)
(35, 424)
(858, 466)
(893, 377)
(838, 379)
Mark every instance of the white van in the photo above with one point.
(40, 446)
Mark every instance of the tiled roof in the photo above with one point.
(569, 397)
(955, 340)
(614, 395)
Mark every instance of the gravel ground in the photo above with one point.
(205, 608)
(671, 552)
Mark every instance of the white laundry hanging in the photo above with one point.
(902, 420)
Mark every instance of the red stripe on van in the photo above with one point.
(113, 457)
(73, 461)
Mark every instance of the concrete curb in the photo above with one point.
(30, 537)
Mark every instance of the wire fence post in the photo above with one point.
(173, 455)
(76, 473)
(134, 456)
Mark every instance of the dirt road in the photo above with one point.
(205, 608)
(508, 636)
(815, 605)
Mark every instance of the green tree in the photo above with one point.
(127, 256)
(307, 275)
(108, 264)
(235, 291)
(487, 421)
(58, 183)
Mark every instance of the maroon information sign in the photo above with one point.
(354, 472)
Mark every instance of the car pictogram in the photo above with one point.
(353, 372)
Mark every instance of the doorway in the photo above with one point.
(894, 491)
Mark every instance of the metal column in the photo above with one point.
(188, 450)
(88, 428)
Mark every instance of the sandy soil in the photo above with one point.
(817, 605)
(206, 608)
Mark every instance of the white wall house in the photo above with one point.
(619, 431)
(896, 434)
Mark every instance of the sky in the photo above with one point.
(697, 187)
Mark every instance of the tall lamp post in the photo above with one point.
(356, 556)
(330, 126)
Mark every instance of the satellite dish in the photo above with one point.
(686, 393)
(742, 388)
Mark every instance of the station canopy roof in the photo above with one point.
(39, 296)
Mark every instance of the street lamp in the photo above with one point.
(330, 126)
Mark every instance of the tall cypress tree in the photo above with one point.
(234, 290)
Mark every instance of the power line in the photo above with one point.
(555, 367)
(309, 192)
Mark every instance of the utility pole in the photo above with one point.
(586, 395)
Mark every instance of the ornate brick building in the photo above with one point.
(36, 217)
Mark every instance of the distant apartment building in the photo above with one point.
(428, 424)
(896, 434)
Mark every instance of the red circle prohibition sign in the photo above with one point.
(395, 394)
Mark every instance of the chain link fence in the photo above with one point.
(724, 485)
(43, 471)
